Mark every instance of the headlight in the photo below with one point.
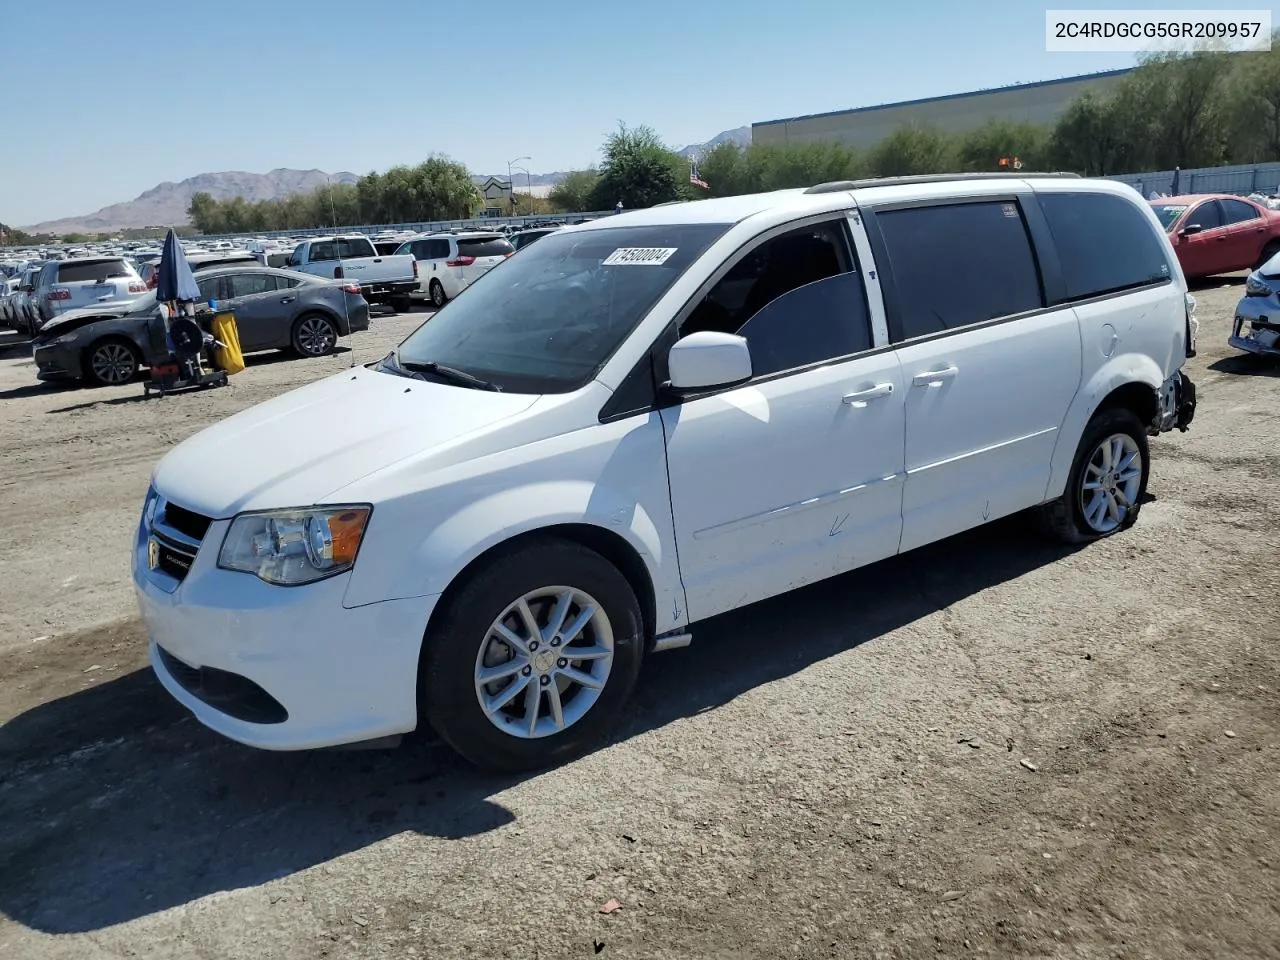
(292, 547)
(1254, 287)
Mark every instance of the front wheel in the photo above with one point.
(110, 363)
(1108, 480)
(314, 335)
(532, 660)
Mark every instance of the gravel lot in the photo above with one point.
(989, 747)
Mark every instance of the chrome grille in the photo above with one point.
(173, 546)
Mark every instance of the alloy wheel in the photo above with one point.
(113, 364)
(544, 662)
(315, 336)
(1110, 483)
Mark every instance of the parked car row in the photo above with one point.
(106, 345)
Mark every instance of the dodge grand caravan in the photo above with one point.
(643, 422)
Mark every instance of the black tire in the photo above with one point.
(401, 304)
(110, 362)
(1065, 518)
(459, 633)
(313, 335)
(438, 298)
(1269, 251)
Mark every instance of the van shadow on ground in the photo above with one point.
(117, 804)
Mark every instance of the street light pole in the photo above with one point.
(511, 186)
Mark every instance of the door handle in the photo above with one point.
(288, 299)
(934, 377)
(871, 393)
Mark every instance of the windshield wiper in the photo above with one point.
(452, 374)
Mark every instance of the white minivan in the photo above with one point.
(448, 263)
(643, 422)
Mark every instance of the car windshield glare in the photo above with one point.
(547, 320)
(1168, 213)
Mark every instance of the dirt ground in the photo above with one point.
(989, 747)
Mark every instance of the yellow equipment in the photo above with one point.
(227, 355)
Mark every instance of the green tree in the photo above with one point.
(1252, 105)
(1091, 137)
(981, 149)
(639, 170)
(911, 150)
(1173, 107)
(575, 192)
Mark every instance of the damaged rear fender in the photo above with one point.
(1126, 370)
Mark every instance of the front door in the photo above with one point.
(1207, 251)
(796, 475)
(988, 372)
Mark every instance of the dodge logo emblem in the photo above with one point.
(153, 554)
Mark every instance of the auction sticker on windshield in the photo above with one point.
(639, 256)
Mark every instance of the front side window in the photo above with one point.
(958, 264)
(1237, 211)
(1207, 216)
(798, 299)
(1104, 243)
(550, 318)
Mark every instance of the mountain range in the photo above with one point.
(166, 204)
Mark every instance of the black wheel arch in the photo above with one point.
(612, 546)
(111, 336)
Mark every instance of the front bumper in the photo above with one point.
(279, 668)
(1256, 328)
(57, 362)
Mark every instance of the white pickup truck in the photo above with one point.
(382, 279)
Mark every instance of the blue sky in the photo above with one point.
(107, 99)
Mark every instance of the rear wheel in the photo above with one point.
(532, 660)
(110, 363)
(314, 335)
(1108, 480)
(401, 304)
(438, 298)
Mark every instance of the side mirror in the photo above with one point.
(1189, 229)
(708, 359)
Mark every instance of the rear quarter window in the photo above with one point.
(1105, 244)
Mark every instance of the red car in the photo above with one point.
(1218, 232)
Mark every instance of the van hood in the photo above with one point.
(298, 448)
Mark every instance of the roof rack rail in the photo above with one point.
(840, 186)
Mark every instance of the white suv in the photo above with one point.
(646, 421)
(85, 282)
(448, 263)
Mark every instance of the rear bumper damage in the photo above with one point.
(1177, 405)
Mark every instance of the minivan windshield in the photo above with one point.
(1168, 213)
(547, 320)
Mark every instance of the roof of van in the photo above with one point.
(820, 197)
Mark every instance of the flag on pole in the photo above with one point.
(693, 175)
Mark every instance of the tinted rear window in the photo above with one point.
(958, 264)
(1104, 243)
(484, 246)
(93, 271)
